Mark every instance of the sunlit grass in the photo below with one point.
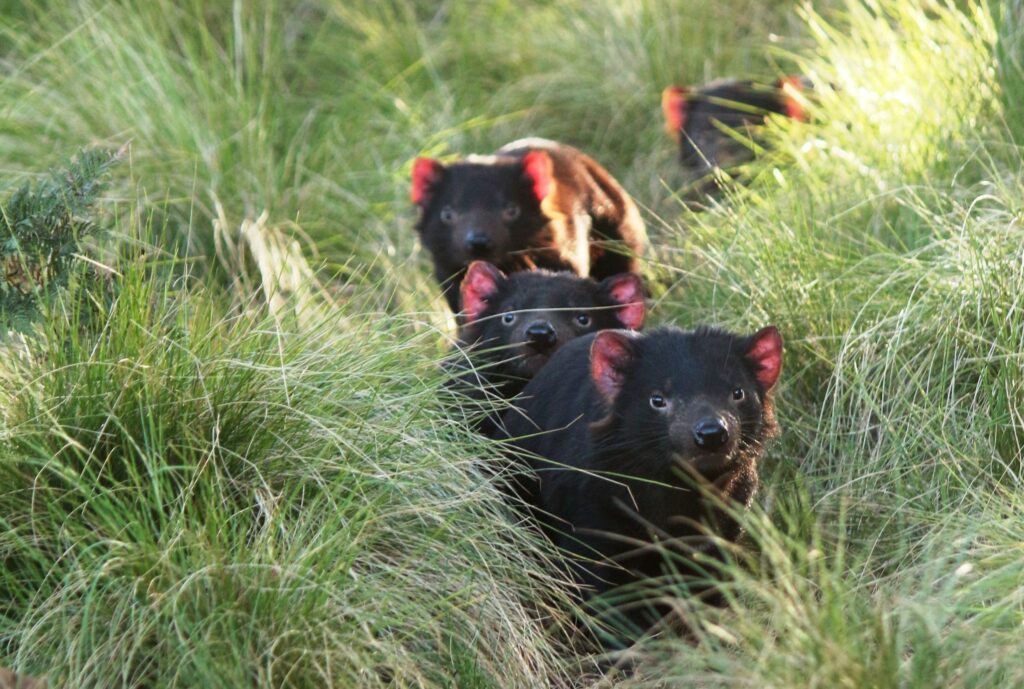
(886, 243)
(196, 494)
(198, 490)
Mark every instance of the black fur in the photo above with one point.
(582, 222)
(498, 357)
(478, 192)
(610, 478)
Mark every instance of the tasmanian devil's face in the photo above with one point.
(714, 124)
(696, 400)
(527, 316)
(481, 209)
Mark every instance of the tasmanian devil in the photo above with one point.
(534, 204)
(512, 324)
(622, 429)
(714, 123)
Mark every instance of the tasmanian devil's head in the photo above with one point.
(712, 122)
(525, 317)
(483, 208)
(698, 398)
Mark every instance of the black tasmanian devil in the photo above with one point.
(714, 123)
(534, 204)
(620, 428)
(512, 324)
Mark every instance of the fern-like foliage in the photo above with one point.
(42, 226)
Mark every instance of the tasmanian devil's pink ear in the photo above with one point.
(611, 352)
(626, 289)
(765, 355)
(426, 175)
(790, 89)
(673, 105)
(481, 281)
(539, 170)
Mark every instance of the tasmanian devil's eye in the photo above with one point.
(448, 215)
(510, 211)
(658, 401)
(583, 319)
(508, 318)
(738, 394)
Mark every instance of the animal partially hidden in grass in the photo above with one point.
(514, 323)
(627, 435)
(715, 124)
(534, 204)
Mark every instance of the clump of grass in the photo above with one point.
(810, 614)
(199, 499)
(1010, 19)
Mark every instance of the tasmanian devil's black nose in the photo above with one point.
(541, 335)
(478, 243)
(710, 433)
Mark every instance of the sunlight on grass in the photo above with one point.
(235, 463)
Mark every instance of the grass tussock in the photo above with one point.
(193, 498)
(202, 490)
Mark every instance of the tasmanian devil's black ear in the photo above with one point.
(626, 289)
(790, 89)
(481, 282)
(427, 173)
(539, 171)
(673, 106)
(765, 355)
(611, 353)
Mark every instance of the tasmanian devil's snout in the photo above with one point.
(541, 336)
(710, 433)
(478, 243)
(698, 428)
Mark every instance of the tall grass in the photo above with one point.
(886, 242)
(198, 490)
(314, 110)
(194, 498)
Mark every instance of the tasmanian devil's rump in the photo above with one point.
(534, 204)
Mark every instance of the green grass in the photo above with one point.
(196, 497)
(198, 490)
